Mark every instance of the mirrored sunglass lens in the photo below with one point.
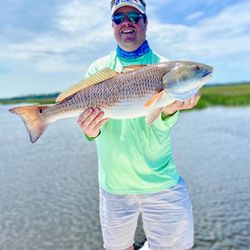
(118, 18)
(134, 17)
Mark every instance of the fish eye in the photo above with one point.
(197, 68)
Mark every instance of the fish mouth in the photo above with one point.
(208, 73)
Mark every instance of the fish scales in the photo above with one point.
(132, 86)
(110, 92)
(139, 91)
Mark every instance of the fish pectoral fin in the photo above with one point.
(153, 100)
(127, 69)
(153, 115)
(100, 76)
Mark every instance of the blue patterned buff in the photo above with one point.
(141, 51)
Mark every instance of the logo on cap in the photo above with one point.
(133, 3)
(127, 1)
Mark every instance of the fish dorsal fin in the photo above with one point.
(153, 100)
(127, 69)
(98, 77)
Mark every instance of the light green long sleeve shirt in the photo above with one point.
(134, 158)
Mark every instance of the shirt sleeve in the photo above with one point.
(91, 70)
(167, 122)
(91, 138)
(98, 65)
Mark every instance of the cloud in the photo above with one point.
(78, 33)
(79, 28)
(213, 37)
(195, 15)
(79, 17)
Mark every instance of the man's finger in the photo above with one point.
(84, 115)
(100, 123)
(96, 119)
(89, 119)
(196, 99)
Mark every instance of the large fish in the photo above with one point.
(139, 90)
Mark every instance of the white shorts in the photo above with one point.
(167, 218)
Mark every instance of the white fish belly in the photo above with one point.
(135, 108)
(126, 110)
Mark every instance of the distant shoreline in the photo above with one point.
(212, 95)
(225, 95)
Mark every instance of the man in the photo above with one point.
(136, 170)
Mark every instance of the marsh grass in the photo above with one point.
(28, 101)
(224, 95)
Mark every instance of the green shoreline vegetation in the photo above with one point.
(212, 95)
(225, 95)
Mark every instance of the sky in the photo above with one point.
(46, 46)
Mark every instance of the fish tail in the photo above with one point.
(33, 119)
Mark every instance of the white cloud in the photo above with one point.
(53, 64)
(80, 28)
(195, 15)
(83, 32)
(218, 36)
(78, 16)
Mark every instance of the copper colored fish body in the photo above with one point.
(138, 91)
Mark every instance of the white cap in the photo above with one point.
(132, 3)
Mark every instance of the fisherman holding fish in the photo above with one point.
(128, 104)
(137, 173)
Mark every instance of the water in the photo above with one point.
(49, 190)
(212, 151)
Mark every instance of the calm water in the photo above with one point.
(49, 190)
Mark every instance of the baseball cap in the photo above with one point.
(132, 3)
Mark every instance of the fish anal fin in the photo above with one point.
(127, 69)
(98, 77)
(150, 118)
(153, 100)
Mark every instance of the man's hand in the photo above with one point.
(179, 105)
(91, 121)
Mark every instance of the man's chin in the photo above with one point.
(128, 39)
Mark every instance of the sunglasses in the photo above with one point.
(132, 16)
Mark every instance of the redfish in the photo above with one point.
(139, 90)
